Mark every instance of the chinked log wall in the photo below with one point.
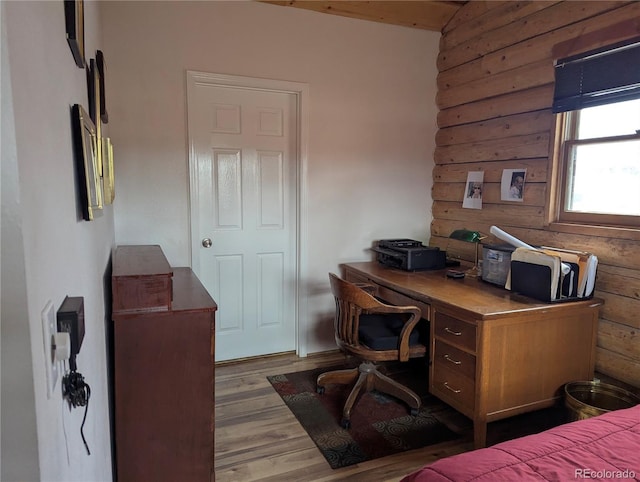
(495, 89)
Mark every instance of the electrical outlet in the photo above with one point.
(49, 328)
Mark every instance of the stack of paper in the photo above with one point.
(535, 273)
(587, 264)
(539, 273)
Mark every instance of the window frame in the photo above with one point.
(566, 129)
(624, 31)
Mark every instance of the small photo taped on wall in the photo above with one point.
(473, 190)
(512, 184)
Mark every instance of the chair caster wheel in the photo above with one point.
(345, 423)
(415, 412)
(320, 390)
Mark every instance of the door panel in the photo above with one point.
(228, 271)
(270, 299)
(227, 197)
(271, 187)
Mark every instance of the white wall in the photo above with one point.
(371, 123)
(50, 253)
(19, 431)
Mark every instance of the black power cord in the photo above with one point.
(77, 392)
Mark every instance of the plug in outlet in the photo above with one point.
(49, 328)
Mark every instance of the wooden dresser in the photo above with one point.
(493, 354)
(163, 355)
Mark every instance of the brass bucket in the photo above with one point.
(588, 399)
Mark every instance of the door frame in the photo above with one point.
(301, 93)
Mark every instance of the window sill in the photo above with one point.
(599, 231)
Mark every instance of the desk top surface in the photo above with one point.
(469, 294)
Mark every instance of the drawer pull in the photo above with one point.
(451, 332)
(449, 359)
(454, 390)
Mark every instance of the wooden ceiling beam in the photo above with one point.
(426, 15)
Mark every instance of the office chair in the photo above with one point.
(372, 332)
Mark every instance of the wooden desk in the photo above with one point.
(493, 354)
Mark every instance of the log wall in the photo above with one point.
(495, 89)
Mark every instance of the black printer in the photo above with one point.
(409, 255)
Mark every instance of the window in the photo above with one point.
(598, 97)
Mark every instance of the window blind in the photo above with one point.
(598, 77)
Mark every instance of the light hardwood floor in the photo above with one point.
(257, 438)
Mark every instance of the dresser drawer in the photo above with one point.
(454, 331)
(456, 360)
(398, 299)
(453, 387)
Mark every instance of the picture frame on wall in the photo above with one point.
(85, 147)
(108, 178)
(93, 85)
(74, 21)
(104, 116)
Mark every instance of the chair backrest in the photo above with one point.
(351, 302)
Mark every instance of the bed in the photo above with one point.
(606, 447)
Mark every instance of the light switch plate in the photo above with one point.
(49, 327)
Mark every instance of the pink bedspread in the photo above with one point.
(606, 447)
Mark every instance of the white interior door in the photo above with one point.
(243, 145)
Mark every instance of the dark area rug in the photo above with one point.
(380, 424)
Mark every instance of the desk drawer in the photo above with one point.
(454, 331)
(457, 360)
(352, 277)
(398, 299)
(454, 388)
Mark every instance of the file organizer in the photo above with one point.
(538, 273)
